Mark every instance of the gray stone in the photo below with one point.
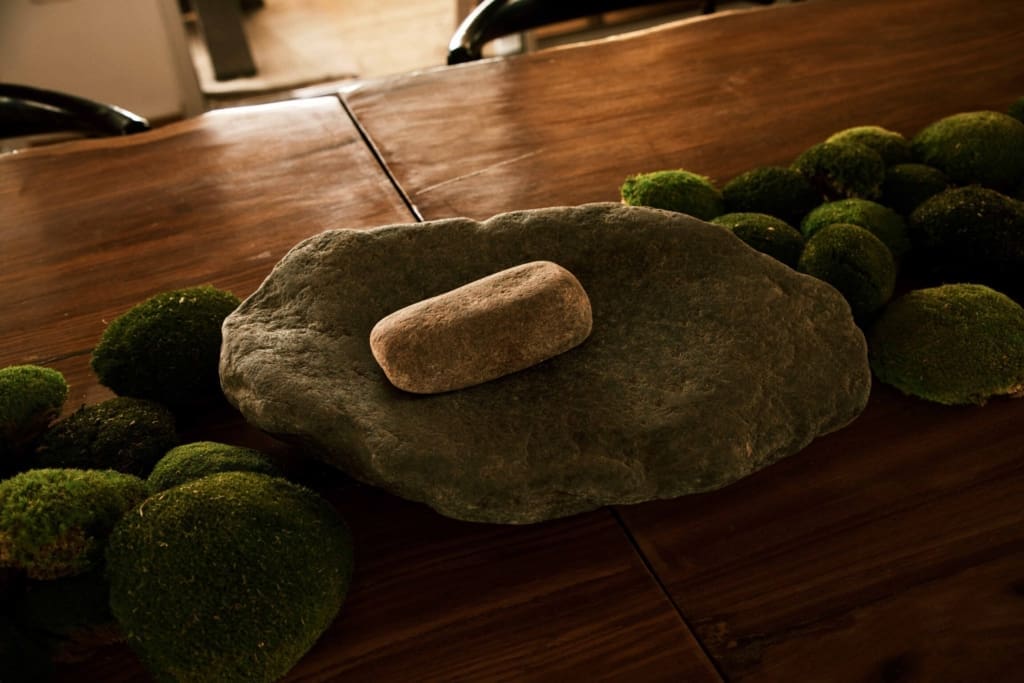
(485, 329)
(707, 362)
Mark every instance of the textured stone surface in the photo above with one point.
(707, 362)
(487, 328)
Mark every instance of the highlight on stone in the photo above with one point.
(483, 330)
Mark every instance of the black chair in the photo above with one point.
(496, 18)
(26, 111)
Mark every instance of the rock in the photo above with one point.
(485, 329)
(708, 361)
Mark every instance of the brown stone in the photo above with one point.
(488, 328)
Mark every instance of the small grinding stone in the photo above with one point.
(483, 330)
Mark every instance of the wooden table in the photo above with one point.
(891, 550)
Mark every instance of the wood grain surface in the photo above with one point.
(87, 229)
(715, 95)
(892, 550)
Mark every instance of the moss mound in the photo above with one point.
(855, 262)
(231, 577)
(1016, 109)
(906, 186)
(200, 459)
(680, 191)
(982, 147)
(30, 398)
(971, 233)
(775, 190)
(842, 169)
(954, 344)
(124, 434)
(890, 145)
(54, 522)
(166, 348)
(767, 234)
(880, 221)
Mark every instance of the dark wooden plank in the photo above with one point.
(715, 95)
(91, 228)
(895, 542)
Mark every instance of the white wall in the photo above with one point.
(132, 53)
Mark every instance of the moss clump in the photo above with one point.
(30, 398)
(907, 185)
(200, 459)
(775, 190)
(166, 348)
(971, 233)
(890, 145)
(842, 169)
(54, 522)
(955, 344)
(124, 434)
(680, 191)
(880, 221)
(231, 577)
(1016, 109)
(767, 234)
(855, 262)
(982, 147)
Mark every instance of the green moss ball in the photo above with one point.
(200, 459)
(982, 147)
(842, 169)
(881, 221)
(54, 522)
(955, 344)
(855, 262)
(907, 185)
(890, 145)
(124, 434)
(166, 348)
(971, 233)
(680, 191)
(231, 577)
(1016, 109)
(767, 234)
(30, 398)
(775, 190)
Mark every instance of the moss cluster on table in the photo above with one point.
(839, 170)
(230, 577)
(879, 220)
(202, 458)
(31, 397)
(767, 234)
(954, 344)
(123, 433)
(888, 144)
(676, 190)
(166, 348)
(53, 522)
(979, 147)
(778, 191)
(855, 262)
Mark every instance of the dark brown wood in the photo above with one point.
(891, 550)
(715, 95)
(91, 228)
